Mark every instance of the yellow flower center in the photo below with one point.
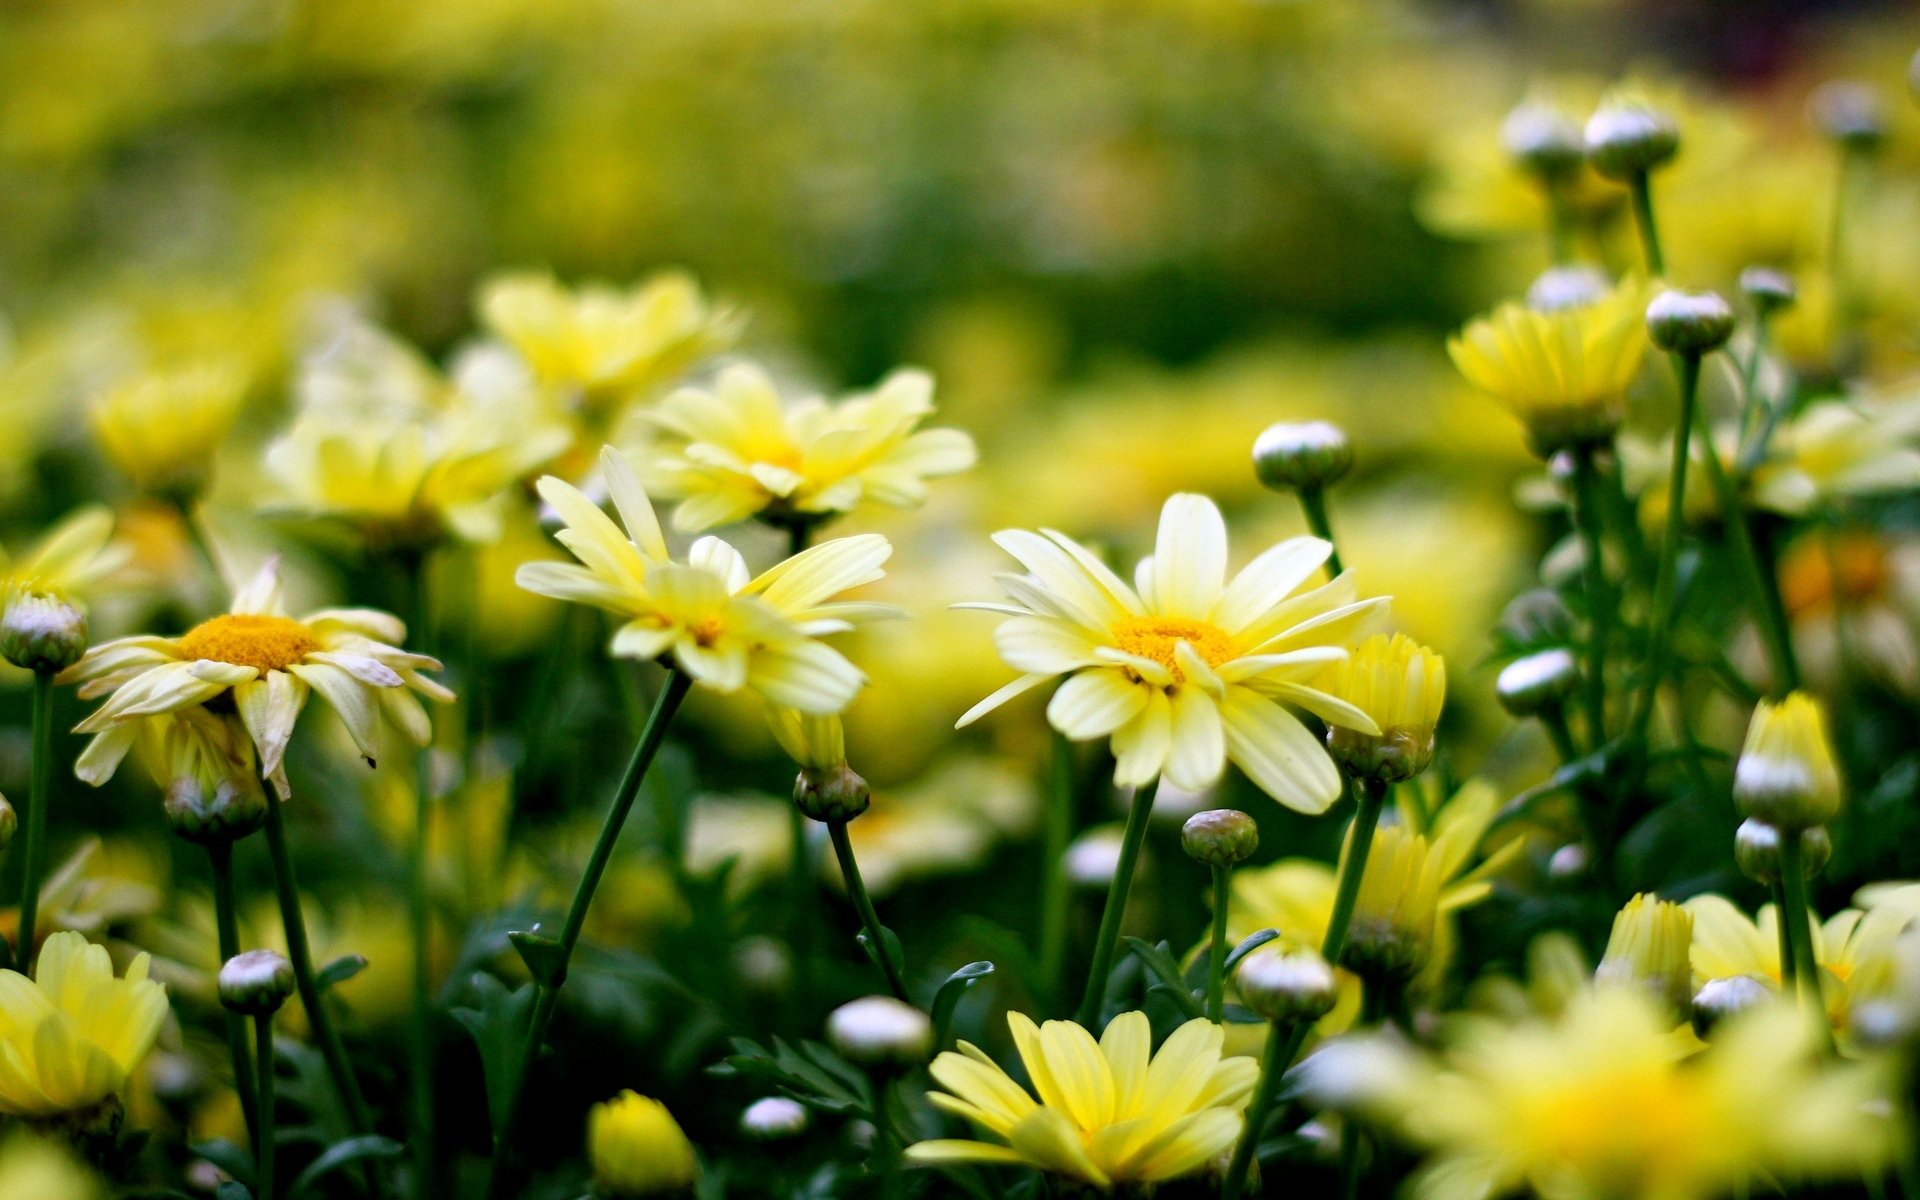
(708, 631)
(1156, 637)
(263, 643)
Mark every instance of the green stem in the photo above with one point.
(1313, 502)
(1769, 611)
(1795, 911)
(420, 1047)
(1664, 583)
(226, 920)
(1054, 891)
(1642, 192)
(800, 904)
(38, 798)
(1588, 517)
(1217, 944)
(287, 887)
(1789, 947)
(1283, 1043)
(863, 903)
(1372, 797)
(1114, 915)
(263, 1058)
(506, 1152)
(1560, 223)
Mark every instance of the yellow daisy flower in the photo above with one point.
(638, 1149)
(268, 662)
(723, 628)
(161, 429)
(740, 451)
(71, 1035)
(70, 561)
(1186, 670)
(1839, 450)
(1727, 943)
(1108, 1113)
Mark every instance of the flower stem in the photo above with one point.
(1588, 517)
(1115, 912)
(1789, 946)
(1769, 611)
(263, 1057)
(1794, 911)
(1054, 893)
(1372, 797)
(420, 912)
(1217, 944)
(226, 921)
(1642, 190)
(38, 799)
(1313, 502)
(863, 903)
(1283, 1042)
(800, 904)
(287, 887)
(1664, 584)
(506, 1155)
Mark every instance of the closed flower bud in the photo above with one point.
(42, 633)
(1531, 685)
(832, 794)
(1651, 947)
(1544, 140)
(1786, 775)
(1537, 617)
(1689, 322)
(1402, 686)
(215, 812)
(879, 1031)
(1220, 837)
(1560, 288)
(774, 1119)
(1719, 999)
(256, 983)
(1768, 289)
(1756, 847)
(637, 1149)
(1391, 937)
(1850, 113)
(1291, 985)
(1628, 138)
(1291, 457)
(1569, 862)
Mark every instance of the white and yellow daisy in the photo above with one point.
(266, 663)
(740, 451)
(1186, 670)
(706, 615)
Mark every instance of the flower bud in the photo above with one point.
(879, 1031)
(1768, 289)
(1537, 617)
(1538, 682)
(831, 794)
(1220, 837)
(1756, 847)
(1560, 288)
(1650, 947)
(1786, 775)
(774, 1119)
(1402, 686)
(1689, 322)
(1543, 140)
(215, 812)
(1719, 999)
(256, 983)
(1395, 911)
(638, 1149)
(1627, 138)
(1568, 862)
(1291, 457)
(1850, 113)
(1292, 985)
(42, 633)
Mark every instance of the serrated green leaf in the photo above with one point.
(1158, 959)
(499, 1025)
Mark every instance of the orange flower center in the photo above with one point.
(1815, 573)
(263, 643)
(1156, 637)
(708, 631)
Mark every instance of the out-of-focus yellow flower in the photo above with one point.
(71, 561)
(1108, 1113)
(1727, 943)
(1401, 685)
(725, 629)
(1392, 934)
(370, 922)
(476, 587)
(162, 428)
(740, 451)
(74, 1032)
(1190, 670)
(35, 1168)
(944, 823)
(1478, 188)
(1651, 947)
(270, 663)
(1786, 775)
(403, 455)
(638, 1149)
(96, 888)
(1564, 373)
(1853, 598)
(1610, 1099)
(1837, 450)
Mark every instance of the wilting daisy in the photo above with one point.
(740, 451)
(1108, 1113)
(1186, 670)
(71, 1035)
(707, 615)
(268, 663)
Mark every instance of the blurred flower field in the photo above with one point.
(1188, 598)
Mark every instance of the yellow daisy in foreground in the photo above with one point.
(71, 1035)
(268, 662)
(1108, 1113)
(740, 451)
(1186, 670)
(723, 628)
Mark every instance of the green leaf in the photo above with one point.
(235, 1160)
(895, 950)
(342, 1154)
(1159, 960)
(1253, 942)
(499, 1024)
(948, 997)
(340, 970)
(806, 1071)
(545, 957)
